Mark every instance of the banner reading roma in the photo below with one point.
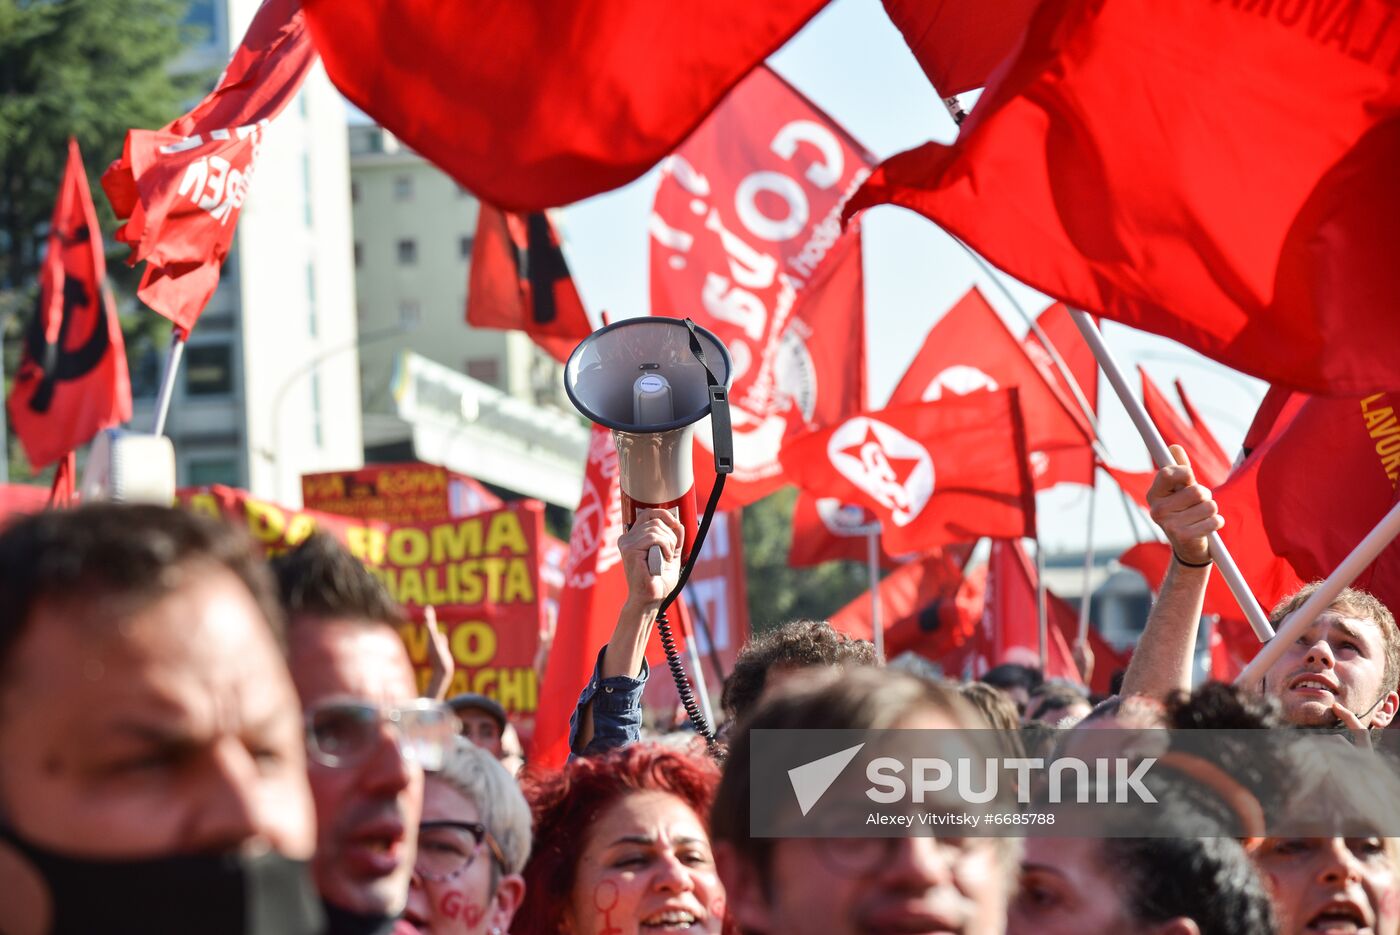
(398, 493)
(746, 239)
(480, 573)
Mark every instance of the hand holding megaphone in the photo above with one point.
(651, 555)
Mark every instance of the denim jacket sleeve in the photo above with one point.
(617, 710)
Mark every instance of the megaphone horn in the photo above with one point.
(651, 380)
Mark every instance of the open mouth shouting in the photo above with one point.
(1320, 685)
(1341, 917)
(674, 919)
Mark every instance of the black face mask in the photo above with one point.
(224, 894)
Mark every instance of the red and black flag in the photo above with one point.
(520, 281)
(72, 379)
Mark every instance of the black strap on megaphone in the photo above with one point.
(723, 437)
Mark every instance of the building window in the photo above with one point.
(464, 247)
(408, 252)
(410, 312)
(205, 471)
(403, 188)
(354, 192)
(359, 254)
(209, 370)
(485, 369)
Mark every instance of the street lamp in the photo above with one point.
(369, 337)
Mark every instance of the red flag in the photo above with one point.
(1134, 483)
(918, 604)
(540, 104)
(1205, 437)
(824, 530)
(72, 379)
(594, 591)
(745, 239)
(934, 473)
(1107, 660)
(1207, 460)
(520, 281)
(181, 188)
(959, 44)
(971, 349)
(1011, 621)
(1065, 465)
(1249, 214)
(1315, 487)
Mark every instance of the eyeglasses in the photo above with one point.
(345, 733)
(446, 848)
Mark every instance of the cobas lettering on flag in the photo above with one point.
(746, 239)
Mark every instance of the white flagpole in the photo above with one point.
(1087, 594)
(1345, 573)
(1157, 446)
(697, 678)
(872, 557)
(167, 379)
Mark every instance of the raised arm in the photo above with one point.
(610, 709)
(1184, 510)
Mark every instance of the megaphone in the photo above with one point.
(651, 380)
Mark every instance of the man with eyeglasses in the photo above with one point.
(369, 738)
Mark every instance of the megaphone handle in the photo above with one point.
(654, 560)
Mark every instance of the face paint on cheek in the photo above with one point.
(605, 899)
(1390, 904)
(717, 907)
(454, 905)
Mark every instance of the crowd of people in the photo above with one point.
(195, 740)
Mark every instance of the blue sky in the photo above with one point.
(852, 63)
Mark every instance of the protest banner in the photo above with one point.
(412, 492)
(481, 574)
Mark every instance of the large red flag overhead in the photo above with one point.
(746, 240)
(72, 379)
(934, 473)
(537, 104)
(181, 188)
(1208, 461)
(1065, 465)
(520, 281)
(959, 43)
(971, 350)
(1247, 211)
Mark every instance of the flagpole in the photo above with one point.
(1157, 446)
(1041, 625)
(1087, 594)
(872, 558)
(167, 379)
(1354, 564)
(4, 411)
(1096, 443)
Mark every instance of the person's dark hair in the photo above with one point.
(999, 711)
(800, 644)
(1209, 880)
(1054, 695)
(123, 557)
(321, 579)
(1011, 675)
(567, 802)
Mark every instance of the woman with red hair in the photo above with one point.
(622, 846)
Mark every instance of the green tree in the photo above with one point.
(778, 593)
(90, 69)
